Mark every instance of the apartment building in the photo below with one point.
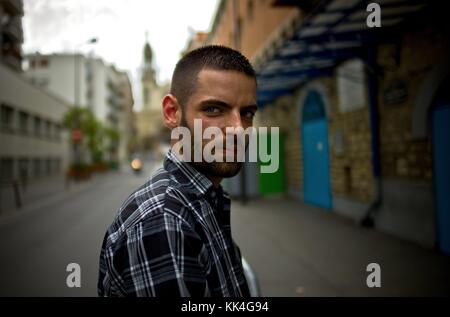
(11, 33)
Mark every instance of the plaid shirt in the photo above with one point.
(172, 237)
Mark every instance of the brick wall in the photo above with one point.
(418, 51)
(351, 166)
(256, 24)
(350, 171)
(402, 157)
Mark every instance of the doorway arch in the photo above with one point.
(315, 148)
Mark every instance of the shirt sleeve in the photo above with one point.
(162, 256)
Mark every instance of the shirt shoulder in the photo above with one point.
(161, 196)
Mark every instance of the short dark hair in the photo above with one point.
(215, 57)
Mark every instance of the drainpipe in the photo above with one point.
(372, 84)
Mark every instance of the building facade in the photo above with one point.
(124, 121)
(11, 33)
(248, 25)
(88, 82)
(362, 111)
(33, 142)
(149, 121)
(77, 79)
(198, 39)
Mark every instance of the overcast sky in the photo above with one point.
(120, 26)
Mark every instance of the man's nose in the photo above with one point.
(235, 120)
(235, 128)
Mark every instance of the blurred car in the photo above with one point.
(136, 165)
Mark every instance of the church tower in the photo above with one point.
(148, 80)
(149, 120)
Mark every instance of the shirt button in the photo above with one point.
(213, 194)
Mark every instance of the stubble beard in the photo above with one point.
(213, 169)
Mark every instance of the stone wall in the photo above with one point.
(351, 172)
(408, 207)
(418, 51)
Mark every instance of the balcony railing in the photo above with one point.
(14, 7)
(14, 29)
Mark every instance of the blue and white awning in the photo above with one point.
(334, 31)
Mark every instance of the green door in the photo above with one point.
(273, 183)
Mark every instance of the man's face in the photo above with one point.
(222, 99)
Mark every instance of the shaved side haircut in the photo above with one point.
(216, 57)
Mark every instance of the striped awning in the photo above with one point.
(333, 31)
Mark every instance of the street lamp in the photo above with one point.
(76, 133)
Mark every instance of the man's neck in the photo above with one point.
(215, 180)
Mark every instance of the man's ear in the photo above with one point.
(172, 111)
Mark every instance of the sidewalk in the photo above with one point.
(40, 193)
(300, 250)
(49, 191)
(32, 191)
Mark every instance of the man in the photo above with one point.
(172, 236)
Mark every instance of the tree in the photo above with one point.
(92, 130)
(113, 137)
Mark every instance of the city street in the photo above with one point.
(350, 106)
(38, 244)
(295, 250)
(300, 250)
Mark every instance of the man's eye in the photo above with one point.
(212, 110)
(248, 114)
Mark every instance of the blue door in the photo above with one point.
(441, 166)
(316, 172)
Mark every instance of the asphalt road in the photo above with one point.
(37, 244)
(294, 249)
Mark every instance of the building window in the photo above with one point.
(23, 122)
(48, 166)
(39, 63)
(37, 126)
(57, 166)
(57, 132)
(24, 170)
(37, 168)
(6, 169)
(44, 62)
(7, 118)
(48, 129)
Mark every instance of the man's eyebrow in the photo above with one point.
(214, 102)
(250, 107)
(220, 103)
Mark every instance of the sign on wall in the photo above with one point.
(351, 85)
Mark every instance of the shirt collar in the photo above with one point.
(187, 175)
